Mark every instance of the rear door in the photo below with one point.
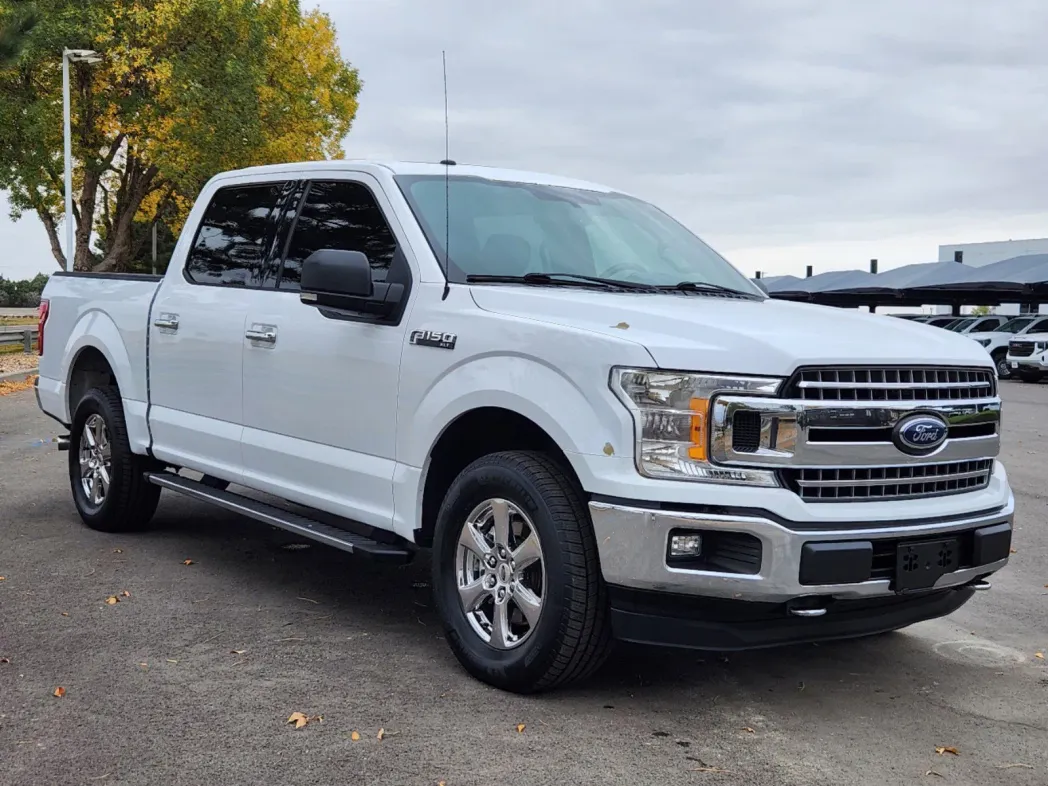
(320, 390)
(196, 349)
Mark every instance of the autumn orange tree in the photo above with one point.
(186, 88)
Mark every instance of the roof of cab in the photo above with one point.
(420, 168)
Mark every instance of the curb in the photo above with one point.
(19, 375)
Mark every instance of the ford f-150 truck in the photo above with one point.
(597, 426)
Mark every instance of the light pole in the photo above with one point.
(71, 56)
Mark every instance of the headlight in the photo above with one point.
(984, 341)
(671, 416)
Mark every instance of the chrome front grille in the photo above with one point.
(837, 433)
(889, 483)
(892, 384)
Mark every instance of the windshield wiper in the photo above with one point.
(703, 286)
(562, 279)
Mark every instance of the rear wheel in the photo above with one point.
(1000, 359)
(1029, 376)
(108, 480)
(516, 577)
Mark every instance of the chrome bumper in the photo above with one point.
(632, 543)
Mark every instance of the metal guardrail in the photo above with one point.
(25, 335)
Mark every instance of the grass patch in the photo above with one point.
(14, 349)
(18, 320)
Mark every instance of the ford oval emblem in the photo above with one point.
(919, 434)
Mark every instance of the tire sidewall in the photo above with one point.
(523, 664)
(94, 404)
(1003, 371)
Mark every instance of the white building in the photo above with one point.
(980, 254)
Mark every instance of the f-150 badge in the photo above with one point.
(433, 338)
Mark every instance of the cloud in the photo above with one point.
(806, 126)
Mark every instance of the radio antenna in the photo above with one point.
(447, 181)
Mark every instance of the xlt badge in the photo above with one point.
(433, 338)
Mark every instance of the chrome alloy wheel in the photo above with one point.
(96, 459)
(500, 573)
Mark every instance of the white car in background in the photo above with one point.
(995, 342)
(1028, 355)
(966, 325)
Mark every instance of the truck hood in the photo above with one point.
(769, 337)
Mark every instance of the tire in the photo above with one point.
(129, 501)
(1029, 376)
(999, 359)
(572, 634)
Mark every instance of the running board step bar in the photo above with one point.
(286, 520)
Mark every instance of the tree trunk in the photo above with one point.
(138, 184)
(52, 234)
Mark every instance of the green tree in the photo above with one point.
(187, 88)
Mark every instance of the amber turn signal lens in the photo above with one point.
(699, 428)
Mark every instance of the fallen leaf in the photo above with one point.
(3, 578)
(172, 660)
(355, 736)
(1039, 655)
(1013, 551)
(1013, 766)
(118, 551)
(520, 728)
(381, 734)
(59, 692)
(65, 613)
(237, 652)
(942, 750)
(298, 719)
(144, 665)
(112, 600)
(441, 783)
(933, 772)
(747, 728)
(187, 562)
(125, 594)
(5, 660)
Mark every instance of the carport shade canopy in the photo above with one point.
(1024, 273)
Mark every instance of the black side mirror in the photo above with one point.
(340, 281)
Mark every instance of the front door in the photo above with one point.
(320, 392)
(196, 331)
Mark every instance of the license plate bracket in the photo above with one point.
(919, 565)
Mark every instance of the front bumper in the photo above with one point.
(1037, 362)
(633, 539)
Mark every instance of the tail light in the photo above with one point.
(45, 309)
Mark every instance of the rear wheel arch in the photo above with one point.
(90, 369)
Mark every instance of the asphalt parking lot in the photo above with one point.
(191, 677)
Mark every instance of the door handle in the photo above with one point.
(266, 335)
(166, 322)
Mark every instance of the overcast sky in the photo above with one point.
(785, 132)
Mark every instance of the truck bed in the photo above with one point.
(114, 309)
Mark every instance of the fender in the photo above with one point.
(538, 391)
(96, 330)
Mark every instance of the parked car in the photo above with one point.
(1028, 356)
(598, 426)
(995, 342)
(941, 322)
(977, 324)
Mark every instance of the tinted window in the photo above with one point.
(234, 236)
(986, 326)
(1040, 326)
(344, 216)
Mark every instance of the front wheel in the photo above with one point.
(1000, 359)
(108, 480)
(516, 577)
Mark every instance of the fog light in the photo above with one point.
(685, 545)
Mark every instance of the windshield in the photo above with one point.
(960, 325)
(1014, 325)
(499, 228)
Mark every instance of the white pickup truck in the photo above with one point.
(598, 426)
